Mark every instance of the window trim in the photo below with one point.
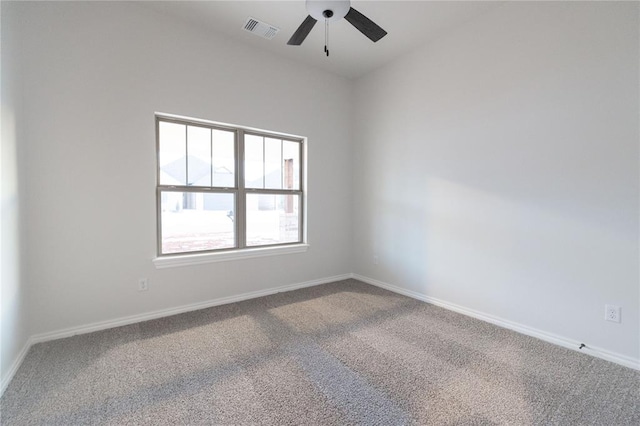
(241, 250)
(171, 261)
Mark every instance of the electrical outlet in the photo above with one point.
(143, 284)
(612, 313)
(376, 260)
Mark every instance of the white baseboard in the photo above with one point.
(520, 328)
(14, 367)
(132, 319)
(117, 322)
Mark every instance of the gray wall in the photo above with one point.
(94, 75)
(13, 295)
(497, 169)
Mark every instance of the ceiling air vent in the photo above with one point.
(261, 29)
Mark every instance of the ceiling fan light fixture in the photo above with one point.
(328, 10)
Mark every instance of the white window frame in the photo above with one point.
(241, 251)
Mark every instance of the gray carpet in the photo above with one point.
(340, 353)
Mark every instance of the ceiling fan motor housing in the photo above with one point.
(328, 10)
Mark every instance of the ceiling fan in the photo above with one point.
(331, 11)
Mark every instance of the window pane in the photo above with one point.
(272, 163)
(172, 154)
(272, 219)
(291, 164)
(224, 155)
(253, 161)
(198, 156)
(196, 221)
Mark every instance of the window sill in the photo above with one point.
(199, 259)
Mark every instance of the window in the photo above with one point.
(222, 188)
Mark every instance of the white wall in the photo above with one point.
(94, 75)
(13, 324)
(497, 168)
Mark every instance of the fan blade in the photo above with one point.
(365, 25)
(302, 32)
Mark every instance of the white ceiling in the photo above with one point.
(409, 24)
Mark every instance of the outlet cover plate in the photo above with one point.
(143, 284)
(612, 313)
